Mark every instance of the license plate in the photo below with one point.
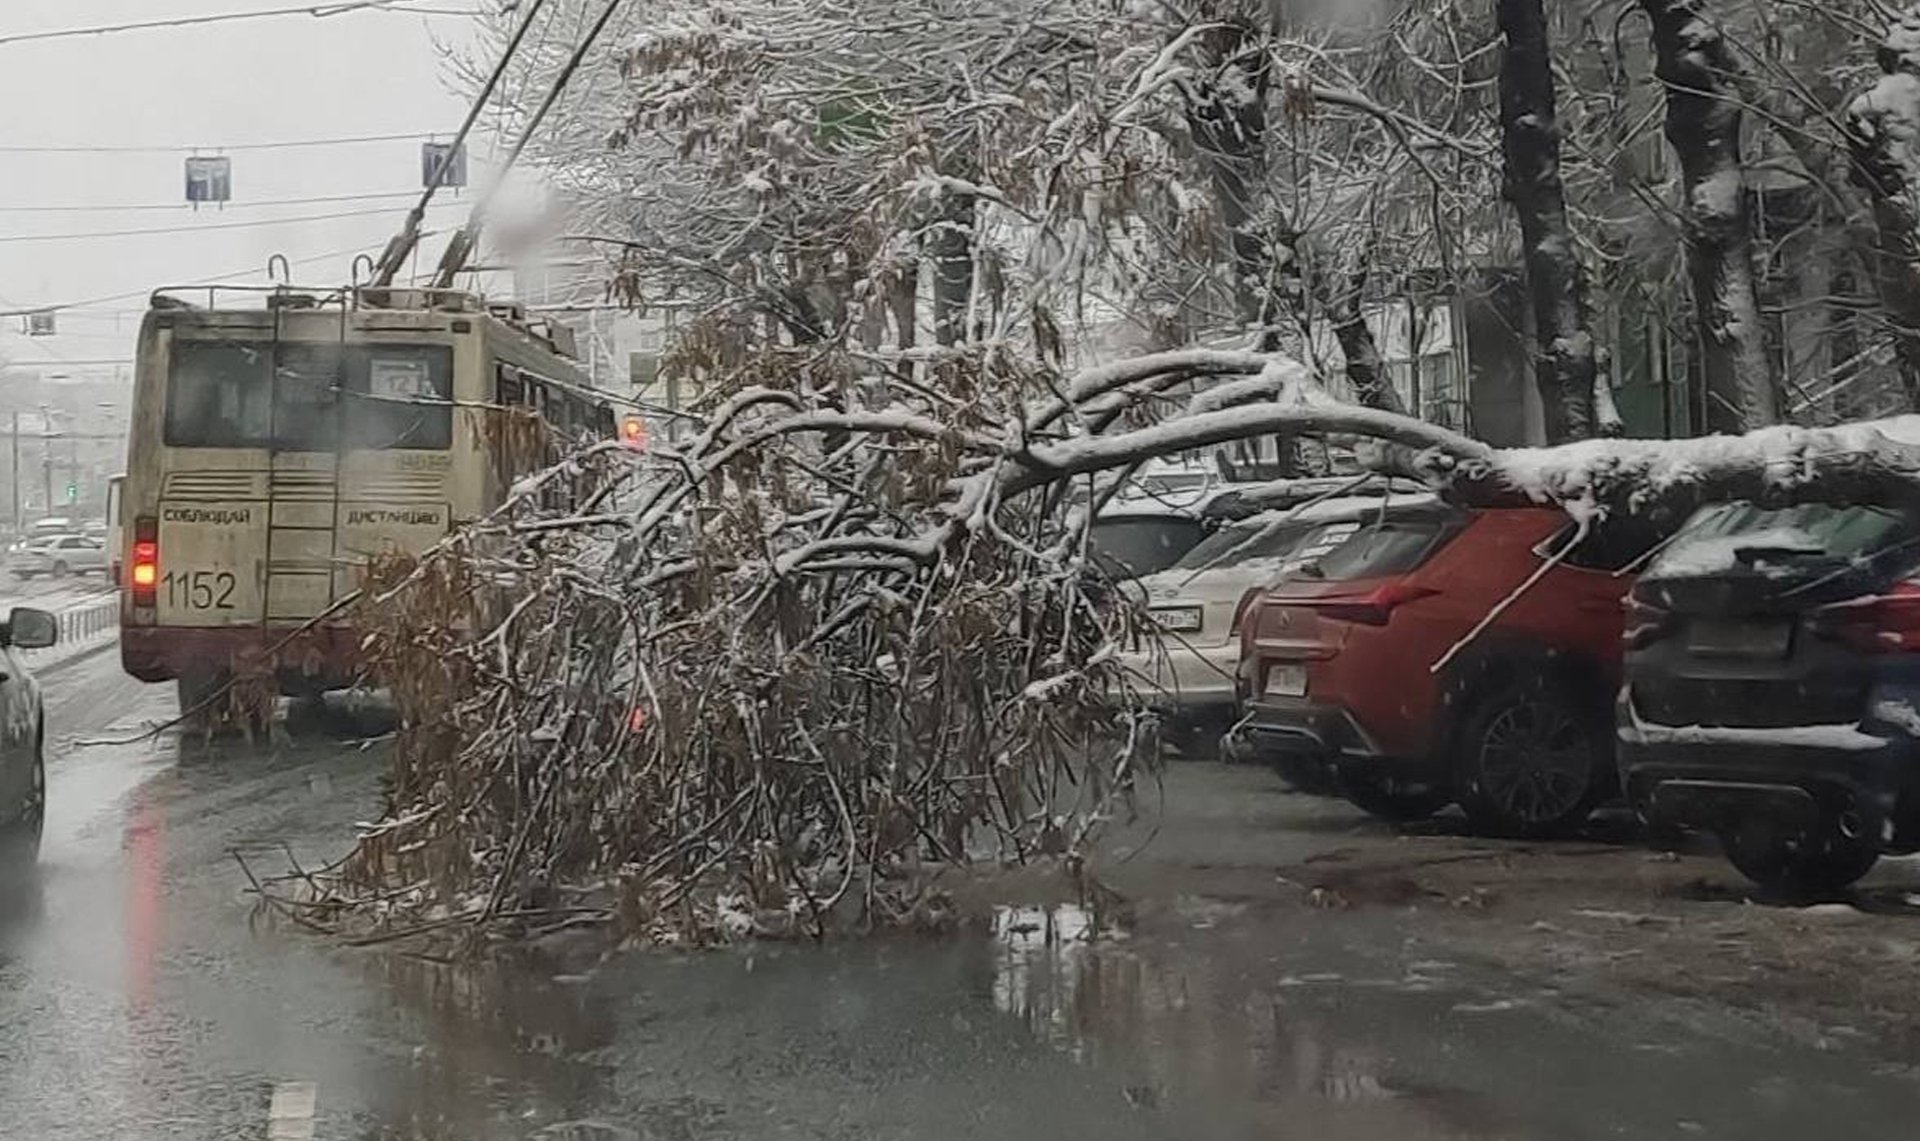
(1286, 681)
(1180, 619)
(1752, 639)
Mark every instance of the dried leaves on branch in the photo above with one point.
(847, 636)
(757, 683)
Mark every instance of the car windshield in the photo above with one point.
(1376, 549)
(1131, 547)
(1254, 540)
(1730, 536)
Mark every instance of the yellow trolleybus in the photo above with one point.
(281, 436)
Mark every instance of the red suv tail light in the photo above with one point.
(144, 580)
(1642, 622)
(1374, 608)
(1888, 623)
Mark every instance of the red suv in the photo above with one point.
(1403, 669)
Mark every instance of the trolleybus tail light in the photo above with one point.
(146, 560)
(633, 433)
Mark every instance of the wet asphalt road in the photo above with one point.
(138, 1000)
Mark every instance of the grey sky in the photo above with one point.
(288, 78)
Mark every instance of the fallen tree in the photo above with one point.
(847, 635)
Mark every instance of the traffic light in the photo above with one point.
(73, 492)
(633, 432)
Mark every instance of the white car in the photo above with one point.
(1188, 672)
(59, 556)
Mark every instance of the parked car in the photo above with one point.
(24, 555)
(1241, 500)
(1137, 538)
(59, 556)
(1190, 672)
(23, 770)
(37, 532)
(1172, 484)
(1773, 688)
(1406, 669)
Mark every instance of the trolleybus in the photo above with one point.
(280, 437)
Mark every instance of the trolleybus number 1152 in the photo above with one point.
(199, 590)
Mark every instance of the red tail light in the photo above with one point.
(1642, 622)
(1371, 609)
(145, 577)
(1888, 623)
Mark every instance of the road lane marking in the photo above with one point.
(290, 1113)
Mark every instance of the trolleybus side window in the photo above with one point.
(218, 396)
(512, 389)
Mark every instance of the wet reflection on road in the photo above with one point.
(1204, 1031)
(140, 998)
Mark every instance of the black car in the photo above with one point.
(23, 769)
(1772, 688)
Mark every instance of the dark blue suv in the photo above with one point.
(1772, 688)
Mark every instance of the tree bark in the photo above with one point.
(1227, 116)
(903, 299)
(1345, 313)
(1880, 142)
(1530, 139)
(1701, 73)
(952, 246)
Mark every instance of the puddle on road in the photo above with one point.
(1202, 1028)
(1335, 1029)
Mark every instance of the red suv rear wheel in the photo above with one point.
(1532, 760)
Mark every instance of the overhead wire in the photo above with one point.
(453, 258)
(172, 148)
(253, 223)
(183, 207)
(319, 11)
(203, 280)
(404, 243)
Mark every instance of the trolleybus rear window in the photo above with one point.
(231, 394)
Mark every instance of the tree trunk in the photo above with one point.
(1881, 126)
(1701, 74)
(952, 245)
(1798, 120)
(1345, 313)
(1227, 115)
(1530, 138)
(904, 299)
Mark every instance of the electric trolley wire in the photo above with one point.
(173, 148)
(207, 279)
(182, 207)
(403, 243)
(454, 257)
(320, 11)
(248, 224)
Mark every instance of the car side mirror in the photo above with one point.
(30, 629)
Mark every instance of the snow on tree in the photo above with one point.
(784, 678)
(1703, 125)
(767, 680)
(1884, 143)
